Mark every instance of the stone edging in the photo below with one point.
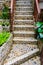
(4, 50)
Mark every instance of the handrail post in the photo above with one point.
(12, 15)
(36, 10)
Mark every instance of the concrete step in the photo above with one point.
(33, 61)
(25, 40)
(23, 12)
(24, 22)
(24, 33)
(24, 17)
(24, 27)
(20, 53)
(23, 8)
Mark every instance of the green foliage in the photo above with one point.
(40, 27)
(39, 30)
(5, 23)
(5, 12)
(0, 14)
(0, 23)
(3, 37)
(5, 15)
(38, 24)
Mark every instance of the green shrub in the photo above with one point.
(3, 37)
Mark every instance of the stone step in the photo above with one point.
(23, 0)
(24, 17)
(33, 61)
(24, 22)
(24, 27)
(25, 40)
(30, 26)
(1, 1)
(23, 8)
(23, 3)
(4, 1)
(23, 12)
(8, 0)
(16, 57)
(24, 33)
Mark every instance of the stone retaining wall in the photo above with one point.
(4, 50)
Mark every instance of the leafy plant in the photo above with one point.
(3, 37)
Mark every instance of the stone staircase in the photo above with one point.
(24, 50)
